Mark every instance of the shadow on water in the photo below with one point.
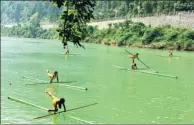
(67, 110)
(132, 83)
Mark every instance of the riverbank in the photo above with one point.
(128, 33)
(135, 34)
(29, 31)
(160, 46)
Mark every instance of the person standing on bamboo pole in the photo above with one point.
(67, 50)
(170, 53)
(134, 56)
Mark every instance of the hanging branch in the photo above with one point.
(75, 17)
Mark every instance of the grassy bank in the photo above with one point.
(134, 34)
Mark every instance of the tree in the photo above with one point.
(74, 18)
(147, 7)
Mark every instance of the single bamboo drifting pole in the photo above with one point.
(50, 83)
(67, 110)
(27, 103)
(34, 79)
(168, 56)
(70, 54)
(45, 109)
(153, 73)
(77, 87)
(80, 119)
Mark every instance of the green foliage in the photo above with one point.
(172, 36)
(29, 31)
(74, 15)
(17, 11)
(152, 35)
(74, 18)
(139, 34)
(90, 29)
(138, 28)
(188, 35)
(22, 11)
(106, 9)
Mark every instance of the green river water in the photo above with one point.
(122, 96)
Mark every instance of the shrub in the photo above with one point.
(189, 35)
(152, 35)
(170, 36)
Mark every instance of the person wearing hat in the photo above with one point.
(52, 76)
(57, 103)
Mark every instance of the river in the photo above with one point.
(122, 96)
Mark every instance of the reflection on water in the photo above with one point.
(122, 96)
(169, 60)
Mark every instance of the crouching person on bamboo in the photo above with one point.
(57, 103)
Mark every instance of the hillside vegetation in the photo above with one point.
(136, 34)
(21, 11)
(29, 15)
